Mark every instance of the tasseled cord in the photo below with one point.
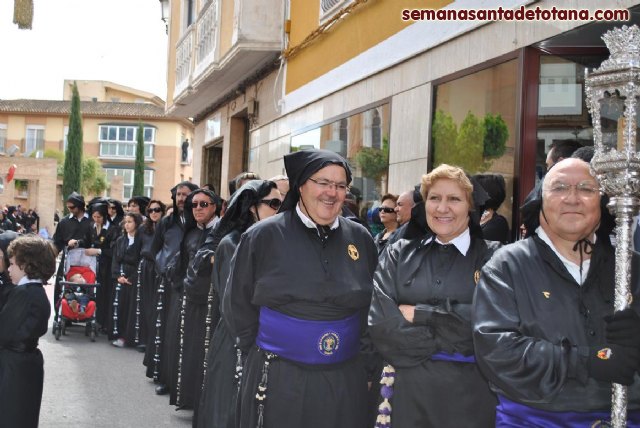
(261, 395)
(386, 391)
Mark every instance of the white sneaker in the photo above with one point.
(119, 343)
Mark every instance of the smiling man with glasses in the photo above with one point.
(297, 299)
(545, 333)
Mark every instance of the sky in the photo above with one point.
(120, 41)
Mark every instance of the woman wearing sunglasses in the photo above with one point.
(148, 284)
(254, 201)
(388, 218)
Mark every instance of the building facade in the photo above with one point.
(358, 78)
(111, 115)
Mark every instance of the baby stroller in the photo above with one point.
(78, 290)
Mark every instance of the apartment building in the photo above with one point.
(385, 81)
(111, 115)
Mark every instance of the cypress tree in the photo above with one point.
(138, 169)
(71, 181)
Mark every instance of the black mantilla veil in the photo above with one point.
(175, 214)
(238, 216)
(302, 165)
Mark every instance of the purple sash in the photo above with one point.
(455, 357)
(512, 414)
(306, 341)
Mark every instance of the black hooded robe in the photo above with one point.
(23, 319)
(283, 265)
(440, 282)
(125, 260)
(195, 291)
(166, 246)
(218, 400)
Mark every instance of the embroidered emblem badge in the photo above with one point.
(605, 353)
(476, 276)
(329, 343)
(353, 252)
(546, 294)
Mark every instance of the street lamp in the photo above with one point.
(613, 94)
(165, 10)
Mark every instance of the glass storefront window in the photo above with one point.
(563, 117)
(474, 125)
(362, 139)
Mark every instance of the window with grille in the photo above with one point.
(34, 139)
(119, 141)
(127, 180)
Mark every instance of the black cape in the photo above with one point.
(23, 319)
(529, 306)
(440, 282)
(282, 264)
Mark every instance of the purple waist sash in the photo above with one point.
(455, 357)
(512, 414)
(306, 341)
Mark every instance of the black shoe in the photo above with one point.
(162, 389)
(141, 348)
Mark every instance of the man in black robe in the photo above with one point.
(200, 210)
(297, 299)
(545, 333)
(166, 245)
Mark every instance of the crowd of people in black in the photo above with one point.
(280, 308)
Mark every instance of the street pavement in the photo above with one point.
(98, 385)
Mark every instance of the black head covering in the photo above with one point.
(100, 207)
(190, 221)
(116, 203)
(302, 165)
(174, 191)
(5, 239)
(142, 202)
(76, 199)
(238, 215)
(495, 187)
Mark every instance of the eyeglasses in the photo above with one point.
(201, 204)
(274, 204)
(71, 207)
(326, 185)
(584, 190)
(387, 210)
(154, 210)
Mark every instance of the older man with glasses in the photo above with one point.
(545, 333)
(297, 299)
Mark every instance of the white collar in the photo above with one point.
(85, 215)
(310, 223)
(211, 223)
(462, 242)
(573, 268)
(26, 280)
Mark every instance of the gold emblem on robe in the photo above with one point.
(353, 252)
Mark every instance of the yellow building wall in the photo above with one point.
(226, 26)
(369, 24)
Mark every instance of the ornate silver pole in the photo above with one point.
(612, 95)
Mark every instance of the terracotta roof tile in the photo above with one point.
(87, 108)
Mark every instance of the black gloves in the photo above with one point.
(623, 328)
(613, 363)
